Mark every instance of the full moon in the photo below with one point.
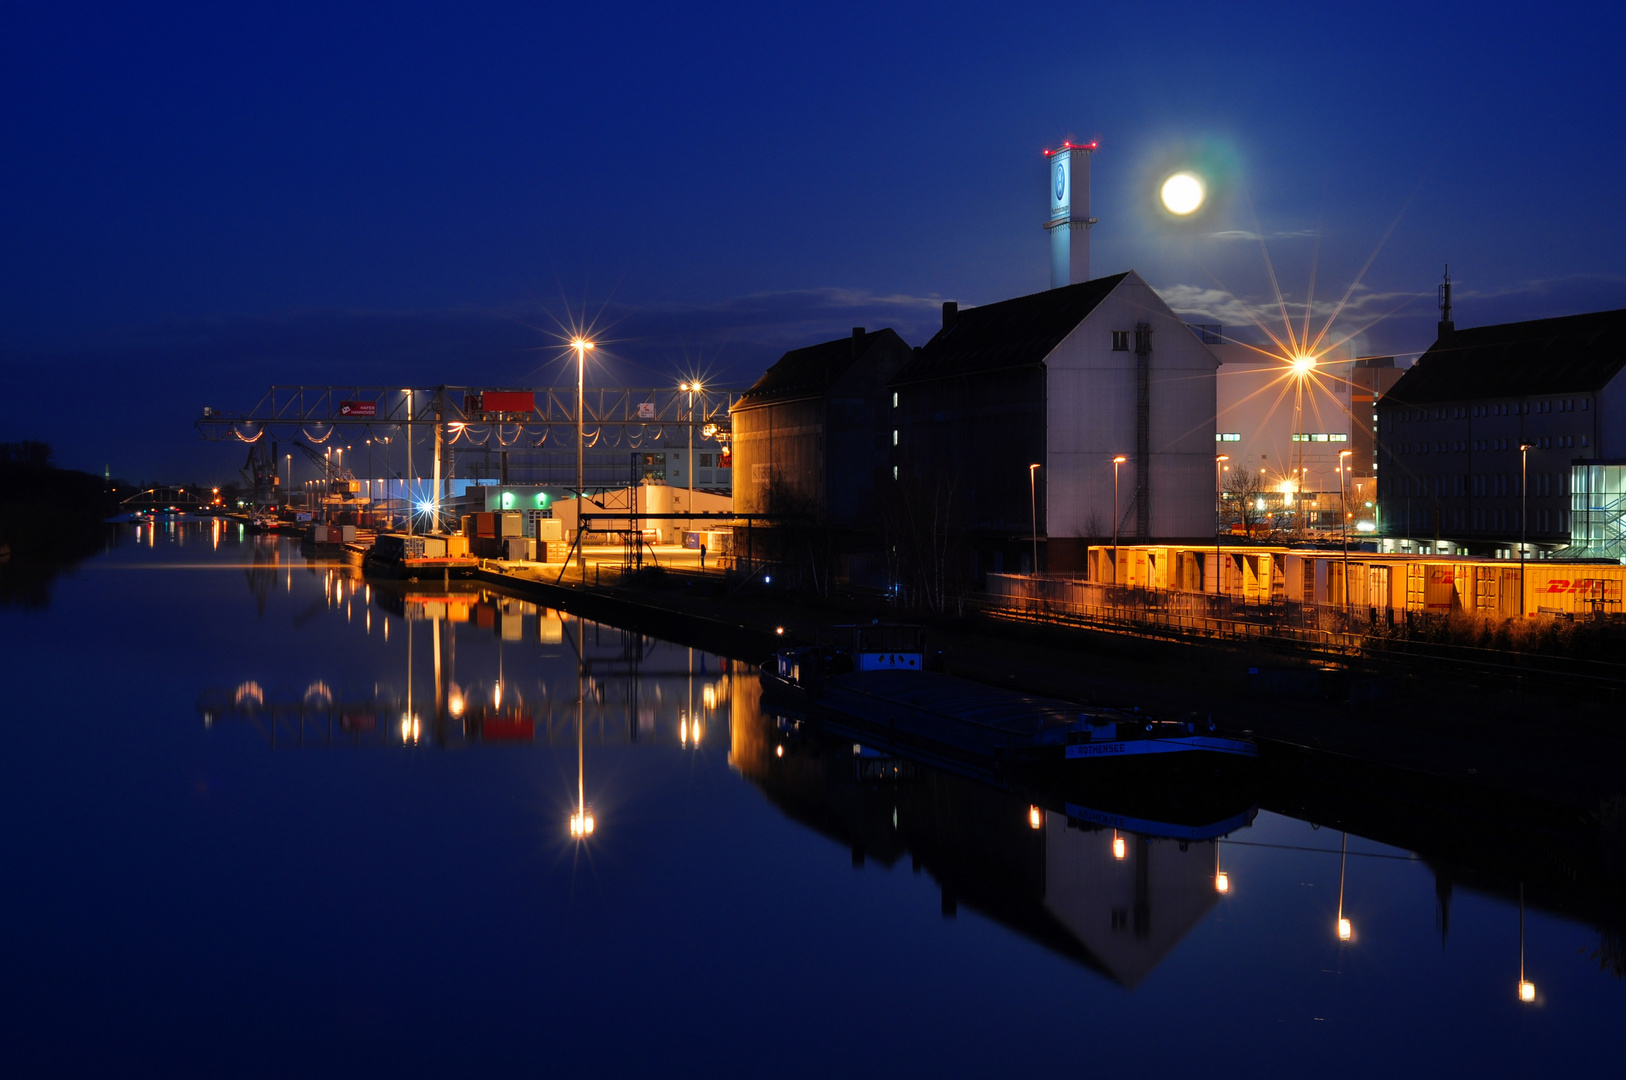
(1182, 193)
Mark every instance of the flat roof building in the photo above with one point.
(1481, 441)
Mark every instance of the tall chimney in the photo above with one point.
(1446, 327)
(951, 313)
(1070, 220)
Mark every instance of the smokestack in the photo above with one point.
(1070, 220)
(1446, 327)
(858, 339)
(951, 313)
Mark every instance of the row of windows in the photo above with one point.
(1507, 408)
(1227, 436)
(1487, 518)
(1481, 484)
(1448, 446)
(1320, 437)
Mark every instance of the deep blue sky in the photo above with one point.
(195, 203)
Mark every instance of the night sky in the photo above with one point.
(199, 202)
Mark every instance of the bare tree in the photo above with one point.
(1242, 488)
(925, 540)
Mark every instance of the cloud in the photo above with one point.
(1244, 234)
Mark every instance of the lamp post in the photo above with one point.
(1524, 504)
(408, 485)
(1117, 461)
(1219, 515)
(1033, 497)
(1527, 989)
(1345, 930)
(582, 347)
(1343, 509)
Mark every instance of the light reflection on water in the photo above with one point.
(584, 850)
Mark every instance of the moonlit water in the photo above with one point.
(261, 819)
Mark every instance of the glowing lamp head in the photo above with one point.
(1222, 882)
(581, 824)
(1302, 365)
(1035, 817)
(1182, 194)
(1119, 460)
(779, 751)
(1119, 848)
(581, 345)
(1344, 930)
(1527, 991)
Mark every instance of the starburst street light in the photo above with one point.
(582, 347)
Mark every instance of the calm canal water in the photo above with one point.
(262, 820)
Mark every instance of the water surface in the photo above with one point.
(260, 819)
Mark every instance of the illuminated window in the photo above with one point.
(1227, 436)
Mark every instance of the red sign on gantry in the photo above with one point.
(508, 401)
(358, 408)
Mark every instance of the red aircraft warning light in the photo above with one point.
(1073, 146)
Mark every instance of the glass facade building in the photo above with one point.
(1598, 511)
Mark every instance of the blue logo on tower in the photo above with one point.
(1061, 180)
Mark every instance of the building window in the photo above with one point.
(1227, 436)
(894, 436)
(1120, 341)
(894, 399)
(894, 472)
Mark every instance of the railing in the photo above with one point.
(1385, 638)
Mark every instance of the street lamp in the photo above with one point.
(1219, 515)
(1524, 504)
(1033, 496)
(692, 388)
(1527, 989)
(1345, 930)
(1117, 461)
(1343, 509)
(408, 499)
(582, 347)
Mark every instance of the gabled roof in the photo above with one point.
(1011, 333)
(1572, 354)
(810, 371)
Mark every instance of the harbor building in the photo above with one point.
(1047, 420)
(1508, 434)
(811, 437)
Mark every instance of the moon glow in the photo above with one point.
(1182, 194)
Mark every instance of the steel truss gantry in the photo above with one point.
(637, 415)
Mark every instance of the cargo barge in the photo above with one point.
(879, 692)
(413, 558)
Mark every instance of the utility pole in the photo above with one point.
(1117, 461)
(1219, 516)
(1524, 504)
(1033, 495)
(1343, 508)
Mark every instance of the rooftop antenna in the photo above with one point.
(1446, 326)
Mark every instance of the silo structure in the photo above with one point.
(1070, 220)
